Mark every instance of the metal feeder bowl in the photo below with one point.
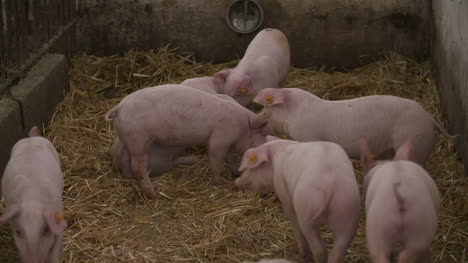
(244, 16)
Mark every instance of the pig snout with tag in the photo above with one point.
(32, 186)
(265, 65)
(387, 121)
(172, 115)
(316, 185)
(402, 203)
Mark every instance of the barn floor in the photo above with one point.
(193, 220)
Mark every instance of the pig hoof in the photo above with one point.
(218, 180)
(152, 195)
(149, 192)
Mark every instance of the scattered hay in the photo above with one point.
(194, 221)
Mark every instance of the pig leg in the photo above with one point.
(426, 257)
(139, 150)
(344, 234)
(417, 236)
(414, 256)
(381, 233)
(288, 208)
(126, 162)
(186, 160)
(343, 205)
(233, 163)
(54, 254)
(217, 151)
(308, 210)
(317, 244)
(422, 142)
(139, 164)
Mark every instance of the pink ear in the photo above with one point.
(10, 212)
(34, 132)
(271, 97)
(219, 79)
(242, 86)
(55, 220)
(254, 157)
(367, 159)
(271, 138)
(403, 152)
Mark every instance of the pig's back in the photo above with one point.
(33, 171)
(175, 101)
(347, 120)
(179, 115)
(268, 42)
(321, 162)
(205, 84)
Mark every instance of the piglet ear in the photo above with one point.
(367, 159)
(271, 97)
(243, 86)
(271, 138)
(254, 157)
(34, 132)
(55, 220)
(403, 152)
(11, 212)
(219, 79)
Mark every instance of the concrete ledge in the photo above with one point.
(42, 89)
(11, 129)
(32, 102)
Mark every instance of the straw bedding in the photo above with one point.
(193, 220)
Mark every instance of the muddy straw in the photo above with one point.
(194, 221)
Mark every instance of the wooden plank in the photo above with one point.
(50, 18)
(15, 30)
(43, 18)
(8, 35)
(26, 30)
(35, 24)
(65, 11)
(21, 32)
(46, 17)
(55, 16)
(61, 12)
(14, 76)
(2, 45)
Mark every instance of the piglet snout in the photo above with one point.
(239, 184)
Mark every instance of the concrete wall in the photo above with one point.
(450, 60)
(331, 32)
(32, 102)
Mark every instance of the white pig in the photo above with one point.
(402, 203)
(387, 121)
(206, 84)
(316, 185)
(265, 65)
(32, 186)
(162, 158)
(177, 116)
